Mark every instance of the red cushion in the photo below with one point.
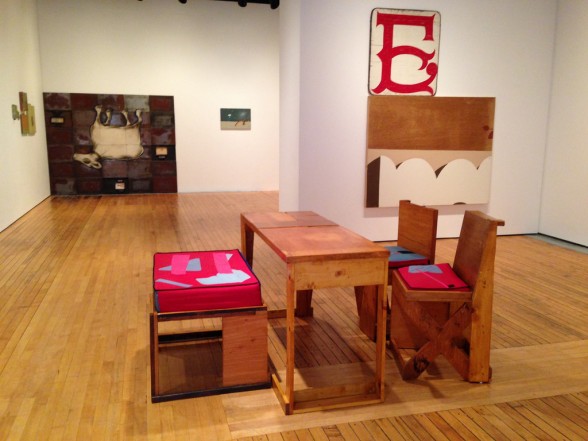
(440, 276)
(203, 280)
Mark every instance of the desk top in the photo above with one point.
(275, 219)
(306, 236)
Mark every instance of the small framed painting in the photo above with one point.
(235, 119)
(24, 117)
(32, 123)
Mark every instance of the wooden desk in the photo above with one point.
(320, 254)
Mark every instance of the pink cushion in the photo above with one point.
(203, 280)
(440, 276)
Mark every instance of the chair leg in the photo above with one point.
(419, 362)
(446, 340)
(451, 340)
(480, 339)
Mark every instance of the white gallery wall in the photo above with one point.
(501, 49)
(24, 172)
(207, 54)
(289, 104)
(564, 207)
(303, 71)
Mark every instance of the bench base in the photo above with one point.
(244, 345)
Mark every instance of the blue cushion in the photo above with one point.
(400, 256)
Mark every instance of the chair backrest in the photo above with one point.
(474, 263)
(476, 248)
(417, 229)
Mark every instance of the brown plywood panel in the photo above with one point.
(245, 349)
(430, 123)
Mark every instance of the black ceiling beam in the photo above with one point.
(274, 4)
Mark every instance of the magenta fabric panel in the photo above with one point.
(203, 280)
(179, 264)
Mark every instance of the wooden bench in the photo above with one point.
(204, 285)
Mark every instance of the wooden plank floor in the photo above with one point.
(75, 287)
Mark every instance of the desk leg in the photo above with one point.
(290, 344)
(303, 303)
(247, 242)
(381, 339)
(367, 306)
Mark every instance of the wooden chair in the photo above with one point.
(417, 233)
(417, 240)
(463, 333)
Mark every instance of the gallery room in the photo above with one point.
(232, 109)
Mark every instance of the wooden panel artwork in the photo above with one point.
(110, 143)
(430, 150)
